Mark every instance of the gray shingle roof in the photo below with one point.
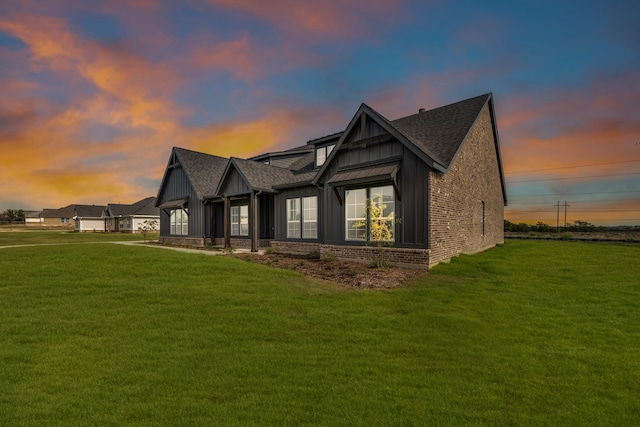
(145, 206)
(440, 132)
(262, 177)
(65, 212)
(303, 162)
(204, 170)
(89, 211)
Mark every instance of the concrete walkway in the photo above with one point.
(145, 244)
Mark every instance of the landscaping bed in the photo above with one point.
(352, 274)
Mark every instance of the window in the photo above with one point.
(322, 153)
(356, 215)
(179, 221)
(240, 220)
(378, 223)
(302, 218)
(310, 217)
(293, 218)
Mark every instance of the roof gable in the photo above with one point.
(257, 176)
(435, 136)
(204, 171)
(440, 132)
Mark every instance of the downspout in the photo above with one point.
(255, 238)
(324, 212)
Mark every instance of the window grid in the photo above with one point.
(302, 218)
(240, 220)
(310, 217)
(376, 225)
(179, 221)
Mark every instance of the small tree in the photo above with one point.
(147, 226)
(379, 229)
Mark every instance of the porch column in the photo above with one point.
(254, 222)
(227, 222)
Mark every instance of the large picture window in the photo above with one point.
(179, 222)
(302, 218)
(376, 223)
(240, 220)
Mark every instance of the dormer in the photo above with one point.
(323, 147)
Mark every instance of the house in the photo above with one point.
(32, 218)
(58, 217)
(127, 218)
(433, 180)
(88, 218)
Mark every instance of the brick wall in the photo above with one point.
(466, 206)
(295, 248)
(414, 258)
(182, 241)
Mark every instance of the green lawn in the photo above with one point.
(529, 333)
(33, 237)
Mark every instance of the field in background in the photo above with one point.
(542, 333)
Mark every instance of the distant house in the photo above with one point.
(434, 178)
(88, 218)
(127, 218)
(32, 218)
(61, 217)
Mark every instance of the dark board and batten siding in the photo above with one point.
(235, 185)
(177, 186)
(281, 210)
(412, 180)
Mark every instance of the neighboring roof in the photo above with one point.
(89, 211)
(440, 132)
(32, 214)
(146, 206)
(65, 212)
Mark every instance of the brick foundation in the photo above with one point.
(403, 257)
(414, 258)
(296, 248)
(182, 241)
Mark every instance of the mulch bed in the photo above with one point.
(352, 274)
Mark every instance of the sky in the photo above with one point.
(94, 94)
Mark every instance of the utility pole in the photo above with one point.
(558, 206)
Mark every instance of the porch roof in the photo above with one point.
(387, 171)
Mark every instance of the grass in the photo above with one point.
(37, 237)
(529, 333)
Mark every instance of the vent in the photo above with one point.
(422, 110)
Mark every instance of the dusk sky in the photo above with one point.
(93, 94)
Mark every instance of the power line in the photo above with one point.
(573, 167)
(573, 194)
(577, 177)
(581, 202)
(579, 210)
